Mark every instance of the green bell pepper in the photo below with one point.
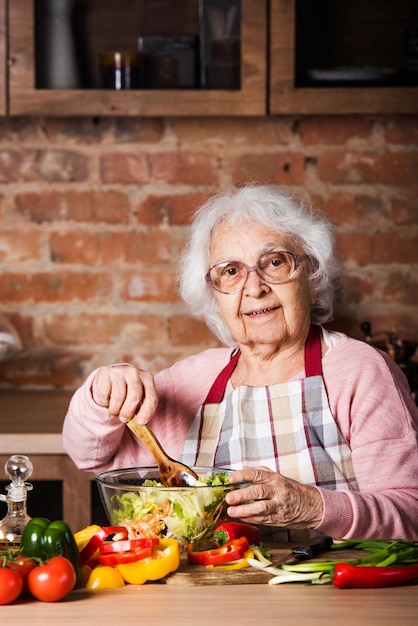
(43, 539)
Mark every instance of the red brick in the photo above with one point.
(55, 287)
(213, 133)
(91, 131)
(96, 248)
(186, 330)
(184, 168)
(47, 367)
(334, 129)
(352, 208)
(399, 168)
(100, 206)
(25, 247)
(282, 169)
(173, 209)
(86, 328)
(369, 248)
(402, 129)
(353, 289)
(123, 168)
(405, 207)
(151, 286)
(48, 165)
(401, 288)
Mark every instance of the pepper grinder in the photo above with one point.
(18, 468)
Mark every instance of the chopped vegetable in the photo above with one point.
(129, 556)
(90, 552)
(388, 563)
(232, 530)
(235, 565)
(190, 515)
(105, 577)
(347, 576)
(128, 545)
(164, 559)
(231, 551)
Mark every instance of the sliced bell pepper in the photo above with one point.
(88, 555)
(164, 559)
(233, 530)
(129, 556)
(231, 551)
(128, 545)
(234, 565)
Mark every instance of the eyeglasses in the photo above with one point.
(275, 268)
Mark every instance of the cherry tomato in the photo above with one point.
(53, 580)
(11, 585)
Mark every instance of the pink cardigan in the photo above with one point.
(369, 399)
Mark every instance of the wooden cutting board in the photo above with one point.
(198, 575)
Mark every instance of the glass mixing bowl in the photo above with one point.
(135, 498)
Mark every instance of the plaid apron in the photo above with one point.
(287, 427)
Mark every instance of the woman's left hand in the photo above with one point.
(274, 500)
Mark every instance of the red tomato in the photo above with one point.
(52, 581)
(11, 585)
(23, 564)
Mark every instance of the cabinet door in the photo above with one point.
(26, 99)
(290, 57)
(3, 60)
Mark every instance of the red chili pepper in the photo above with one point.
(347, 576)
(130, 556)
(230, 551)
(233, 530)
(88, 552)
(127, 545)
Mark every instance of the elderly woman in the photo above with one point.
(323, 426)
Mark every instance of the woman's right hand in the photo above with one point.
(126, 392)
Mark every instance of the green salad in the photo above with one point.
(188, 514)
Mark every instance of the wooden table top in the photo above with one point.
(244, 605)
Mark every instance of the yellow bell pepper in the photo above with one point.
(83, 536)
(165, 559)
(249, 554)
(104, 577)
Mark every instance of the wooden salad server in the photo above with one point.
(172, 473)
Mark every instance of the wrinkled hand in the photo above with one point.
(274, 500)
(126, 391)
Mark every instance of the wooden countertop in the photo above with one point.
(244, 605)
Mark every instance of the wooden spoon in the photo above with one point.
(172, 473)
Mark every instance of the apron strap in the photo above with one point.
(313, 355)
(313, 366)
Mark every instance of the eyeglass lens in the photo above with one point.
(275, 267)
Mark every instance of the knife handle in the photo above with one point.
(316, 546)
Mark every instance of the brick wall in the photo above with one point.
(93, 214)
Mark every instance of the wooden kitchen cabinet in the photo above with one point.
(104, 20)
(334, 56)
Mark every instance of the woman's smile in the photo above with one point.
(263, 311)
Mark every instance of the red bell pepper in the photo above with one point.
(347, 576)
(127, 545)
(88, 553)
(128, 556)
(230, 551)
(233, 530)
